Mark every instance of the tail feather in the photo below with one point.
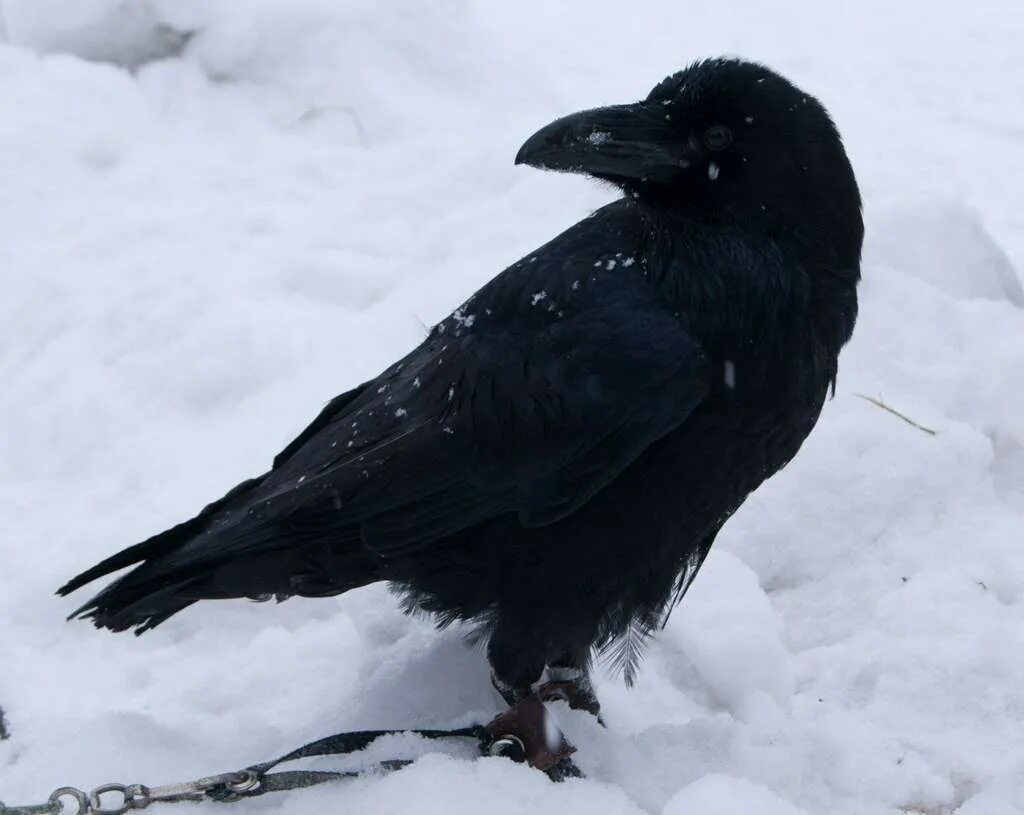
(117, 611)
(156, 545)
(131, 601)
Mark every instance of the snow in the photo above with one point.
(935, 240)
(729, 374)
(717, 794)
(462, 319)
(210, 208)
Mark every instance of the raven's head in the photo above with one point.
(726, 142)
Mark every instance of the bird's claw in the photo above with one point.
(571, 686)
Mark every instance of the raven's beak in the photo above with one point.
(623, 142)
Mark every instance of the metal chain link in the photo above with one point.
(134, 796)
(39, 809)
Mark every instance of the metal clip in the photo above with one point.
(245, 781)
(237, 783)
(508, 746)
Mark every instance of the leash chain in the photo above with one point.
(252, 781)
(523, 733)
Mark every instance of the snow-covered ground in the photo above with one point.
(268, 204)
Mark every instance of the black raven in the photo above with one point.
(555, 459)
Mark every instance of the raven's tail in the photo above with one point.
(144, 598)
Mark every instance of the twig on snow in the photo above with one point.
(879, 403)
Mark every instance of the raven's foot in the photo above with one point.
(526, 732)
(571, 684)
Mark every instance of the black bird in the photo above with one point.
(555, 459)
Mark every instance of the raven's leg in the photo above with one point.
(517, 660)
(569, 679)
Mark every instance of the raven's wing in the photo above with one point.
(530, 398)
(475, 426)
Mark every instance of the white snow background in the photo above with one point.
(216, 215)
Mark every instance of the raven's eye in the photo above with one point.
(717, 137)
